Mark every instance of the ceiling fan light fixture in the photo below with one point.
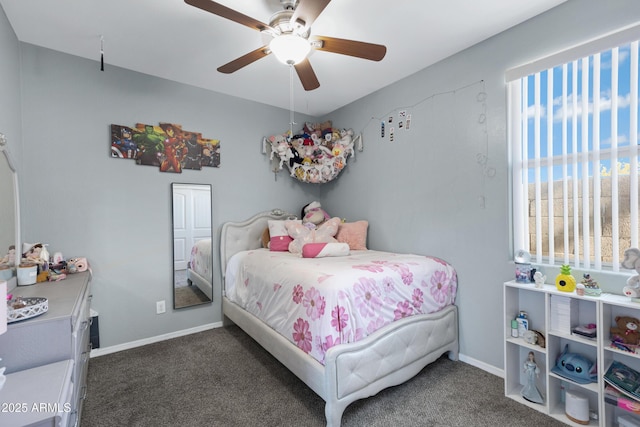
(290, 49)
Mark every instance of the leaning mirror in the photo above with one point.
(192, 239)
(10, 214)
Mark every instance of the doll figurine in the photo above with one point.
(530, 392)
(539, 279)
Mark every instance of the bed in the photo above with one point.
(340, 371)
(200, 268)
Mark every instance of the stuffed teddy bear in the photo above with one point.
(312, 129)
(627, 330)
(314, 214)
(632, 262)
(319, 129)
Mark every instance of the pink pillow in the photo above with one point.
(320, 250)
(279, 238)
(353, 233)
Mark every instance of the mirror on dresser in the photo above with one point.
(9, 212)
(192, 240)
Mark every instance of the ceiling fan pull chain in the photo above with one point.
(101, 53)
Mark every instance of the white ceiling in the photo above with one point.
(176, 41)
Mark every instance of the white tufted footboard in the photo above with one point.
(389, 357)
(386, 358)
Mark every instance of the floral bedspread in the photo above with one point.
(318, 303)
(201, 258)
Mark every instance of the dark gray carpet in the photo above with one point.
(186, 296)
(223, 378)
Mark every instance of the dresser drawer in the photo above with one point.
(49, 337)
(25, 346)
(81, 328)
(81, 350)
(80, 371)
(81, 316)
(39, 396)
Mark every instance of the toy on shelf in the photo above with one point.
(565, 282)
(539, 279)
(534, 337)
(589, 330)
(632, 262)
(625, 335)
(591, 287)
(575, 367)
(524, 272)
(530, 392)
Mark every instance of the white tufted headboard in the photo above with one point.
(245, 235)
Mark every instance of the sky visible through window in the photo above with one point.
(573, 107)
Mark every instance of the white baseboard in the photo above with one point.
(139, 343)
(481, 365)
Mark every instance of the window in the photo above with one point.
(573, 134)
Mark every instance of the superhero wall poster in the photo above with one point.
(166, 146)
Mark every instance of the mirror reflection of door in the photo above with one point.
(192, 240)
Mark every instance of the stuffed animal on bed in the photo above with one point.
(314, 214)
(301, 234)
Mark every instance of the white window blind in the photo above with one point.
(573, 134)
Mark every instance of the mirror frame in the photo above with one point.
(201, 290)
(11, 283)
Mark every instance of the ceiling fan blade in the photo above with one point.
(244, 60)
(308, 10)
(225, 12)
(307, 75)
(373, 52)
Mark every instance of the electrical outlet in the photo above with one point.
(160, 307)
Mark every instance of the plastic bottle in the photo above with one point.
(523, 323)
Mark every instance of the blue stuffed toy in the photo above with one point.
(575, 367)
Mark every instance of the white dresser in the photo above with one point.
(38, 397)
(32, 349)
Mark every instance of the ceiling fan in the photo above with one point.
(291, 40)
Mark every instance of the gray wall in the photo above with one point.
(422, 193)
(118, 214)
